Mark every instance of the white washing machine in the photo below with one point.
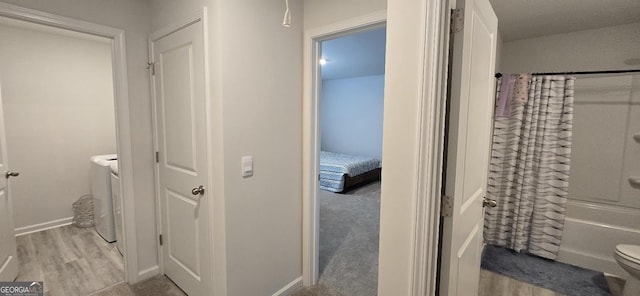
(117, 206)
(100, 177)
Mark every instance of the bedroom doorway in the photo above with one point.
(350, 104)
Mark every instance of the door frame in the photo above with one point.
(413, 146)
(416, 90)
(417, 69)
(311, 131)
(122, 114)
(218, 275)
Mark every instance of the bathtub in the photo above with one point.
(592, 231)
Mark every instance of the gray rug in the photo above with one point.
(349, 236)
(560, 277)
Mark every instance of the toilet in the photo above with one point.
(628, 256)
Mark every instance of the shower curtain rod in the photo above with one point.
(498, 75)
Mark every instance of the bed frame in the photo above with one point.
(354, 182)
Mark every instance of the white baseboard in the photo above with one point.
(148, 273)
(43, 226)
(289, 288)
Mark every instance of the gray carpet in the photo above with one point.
(564, 278)
(349, 236)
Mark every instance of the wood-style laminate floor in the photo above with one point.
(70, 261)
(77, 261)
(493, 284)
(156, 286)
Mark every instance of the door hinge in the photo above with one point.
(457, 20)
(152, 66)
(446, 206)
(160, 239)
(157, 157)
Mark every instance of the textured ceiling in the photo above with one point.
(521, 19)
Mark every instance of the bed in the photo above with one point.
(341, 172)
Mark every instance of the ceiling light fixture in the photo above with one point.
(286, 21)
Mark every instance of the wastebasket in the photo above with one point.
(83, 216)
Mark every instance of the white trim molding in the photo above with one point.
(413, 145)
(43, 226)
(148, 273)
(431, 150)
(213, 90)
(310, 146)
(123, 123)
(289, 288)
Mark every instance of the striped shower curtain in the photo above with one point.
(529, 171)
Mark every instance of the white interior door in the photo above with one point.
(179, 93)
(471, 110)
(8, 258)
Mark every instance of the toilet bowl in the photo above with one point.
(628, 256)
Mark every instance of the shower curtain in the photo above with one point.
(529, 170)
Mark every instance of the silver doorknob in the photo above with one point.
(198, 190)
(487, 202)
(9, 174)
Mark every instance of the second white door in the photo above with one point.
(179, 92)
(470, 111)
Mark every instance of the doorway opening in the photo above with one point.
(68, 101)
(568, 217)
(61, 138)
(343, 164)
(351, 116)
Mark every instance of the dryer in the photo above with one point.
(100, 178)
(117, 207)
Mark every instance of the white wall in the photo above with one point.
(133, 17)
(499, 46)
(318, 13)
(256, 89)
(261, 90)
(599, 49)
(351, 112)
(59, 111)
(604, 154)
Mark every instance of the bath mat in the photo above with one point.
(560, 277)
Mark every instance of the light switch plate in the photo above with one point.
(247, 166)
